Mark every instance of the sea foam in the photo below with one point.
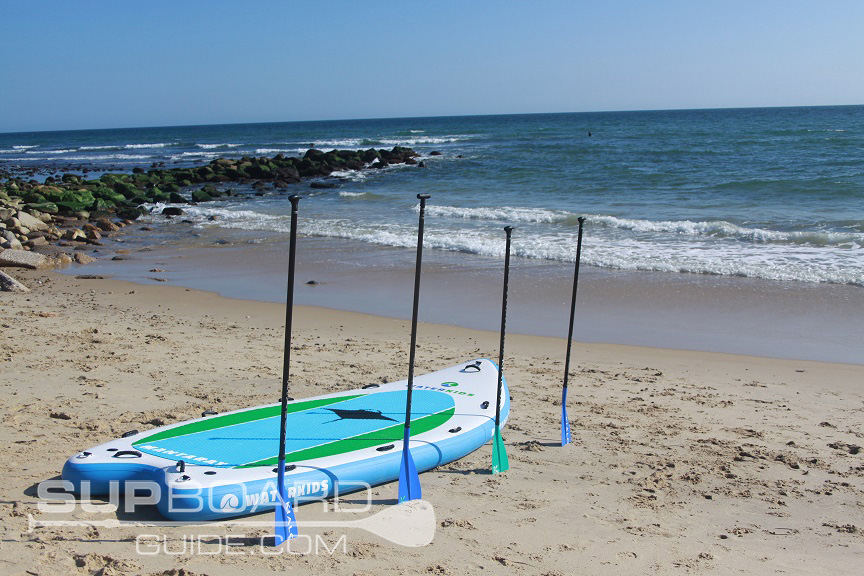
(503, 213)
(217, 146)
(136, 146)
(766, 261)
(714, 229)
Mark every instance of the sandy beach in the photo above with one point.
(682, 462)
(685, 182)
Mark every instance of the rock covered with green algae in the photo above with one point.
(124, 196)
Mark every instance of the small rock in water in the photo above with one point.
(156, 270)
(312, 283)
(106, 225)
(89, 277)
(74, 235)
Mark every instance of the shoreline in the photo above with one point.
(754, 317)
(705, 462)
(201, 299)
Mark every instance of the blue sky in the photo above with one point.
(99, 64)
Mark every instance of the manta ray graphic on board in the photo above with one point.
(361, 414)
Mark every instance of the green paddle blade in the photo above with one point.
(499, 454)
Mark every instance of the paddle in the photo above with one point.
(409, 524)
(286, 524)
(565, 423)
(500, 463)
(409, 481)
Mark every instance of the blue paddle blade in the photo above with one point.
(565, 423)
(286, 524)
(500, 462)
(409, 481)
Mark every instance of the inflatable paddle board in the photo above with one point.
(224, 465)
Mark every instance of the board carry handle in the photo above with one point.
(475, 367)
(126, 454)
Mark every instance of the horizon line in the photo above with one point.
(425, 117)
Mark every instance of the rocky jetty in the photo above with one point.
(73, 209)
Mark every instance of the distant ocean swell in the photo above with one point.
(181, 150)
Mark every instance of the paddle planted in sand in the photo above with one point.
(409, 481)
(286, 524)
(500, 462)
(565, 423)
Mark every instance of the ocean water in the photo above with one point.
(772, 193)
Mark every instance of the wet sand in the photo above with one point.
(793, 320)
(682, 462)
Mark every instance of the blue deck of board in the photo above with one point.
(240, 444)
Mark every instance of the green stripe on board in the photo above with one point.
(241, 418)
(390, 434)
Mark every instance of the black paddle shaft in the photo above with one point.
(508, 230)
(422, 198)
(573, 300)
(289, 310)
